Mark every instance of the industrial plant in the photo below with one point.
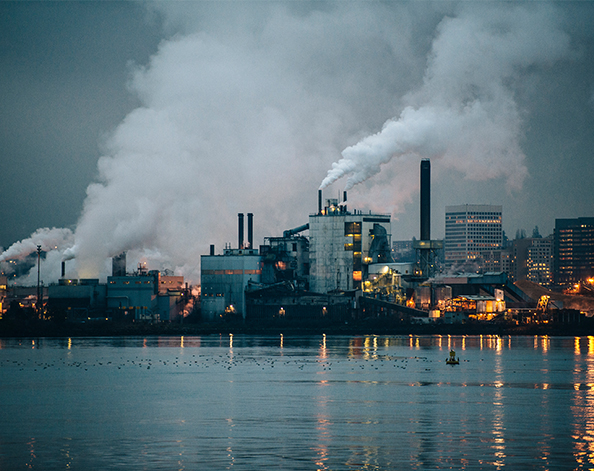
(344, 269)
(342, 266)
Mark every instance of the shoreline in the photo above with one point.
(362, 327)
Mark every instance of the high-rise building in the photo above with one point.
(529, 258)
(473, 233)
(574, 250)
(540, 261)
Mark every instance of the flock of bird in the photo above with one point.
(229, 361)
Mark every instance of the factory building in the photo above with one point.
(78, 299)
(473, 233)
(343, 269)
(141, 296)
(343, 244)
(286, 258)
(573, 250)
(224, 278)
(134, 296)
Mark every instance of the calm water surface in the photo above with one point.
(297, 403)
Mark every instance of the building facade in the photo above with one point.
(540, 261)
(573, 250)
(473, 233)
(341, 246)
(224, 279)
(529, 259)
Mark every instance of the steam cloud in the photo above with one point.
(465, 113)
(248, 104)
(48, 239)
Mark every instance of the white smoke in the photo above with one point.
(47, 239)
(248, 103)
(52, 242)
(465, 113)
(237, 119)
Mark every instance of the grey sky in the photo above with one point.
(202, 110)
(62, 88)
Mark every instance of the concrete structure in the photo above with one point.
(286, 259)
(224, 279)
(403, 251)
(426, 248)
(79, 300)
(573, 250)
(343, 244)
(473, 233)
(134, 296)
(170, 284)
(283, 303)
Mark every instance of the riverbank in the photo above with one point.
(360, 327)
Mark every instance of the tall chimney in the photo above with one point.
(212, 249)
(425, 199)
(250, 230)
(240, 228)
(319, 201)
(344, 196)
(63, 268)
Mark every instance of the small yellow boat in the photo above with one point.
(452, 360)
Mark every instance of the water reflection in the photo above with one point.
(331, 402)
(583, 407)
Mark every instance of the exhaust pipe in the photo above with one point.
(250, 230)
(319, 201)
(240, 230)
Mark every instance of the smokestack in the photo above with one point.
(425, 199)
(344, 197)
(240, 227)
(63, 268)
(319, 201)
(212, 249)
(250, 230)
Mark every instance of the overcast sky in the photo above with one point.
(148, 126)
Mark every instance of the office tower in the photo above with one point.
(574, 250)
(473, 233)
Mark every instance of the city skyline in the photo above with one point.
(158, 123)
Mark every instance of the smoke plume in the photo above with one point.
(47, 239)
(245, 105)
(465, 113)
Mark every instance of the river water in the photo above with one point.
(297, 403)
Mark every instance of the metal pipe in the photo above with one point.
(297, 230)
